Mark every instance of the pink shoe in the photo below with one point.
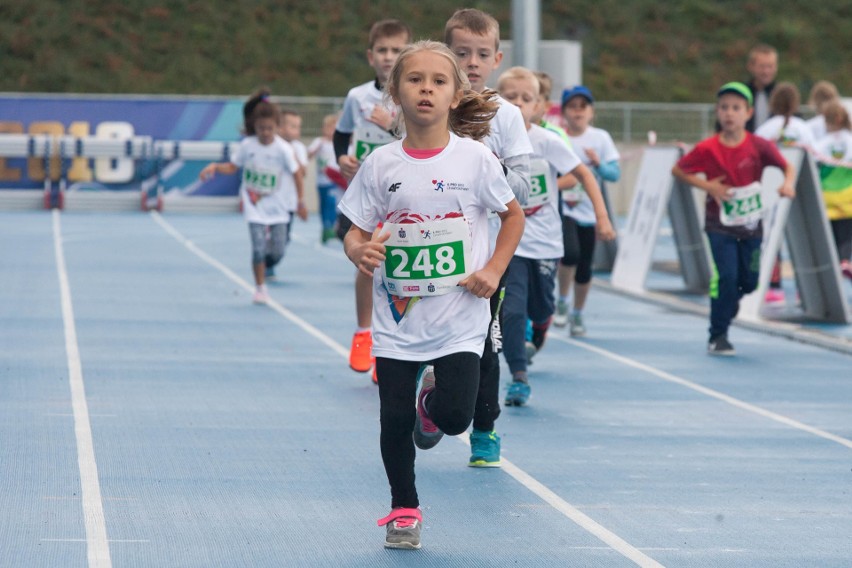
(774, 296)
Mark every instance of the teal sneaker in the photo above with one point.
(484, 449)
(560, 318)
(518, 395)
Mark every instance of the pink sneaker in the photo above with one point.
(425, 434)
(260, 296)
(774, 296)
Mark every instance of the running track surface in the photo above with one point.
(150, 415)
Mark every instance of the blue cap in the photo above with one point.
(578, 91)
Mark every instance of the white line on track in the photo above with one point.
(706, 391)
(93, 509)
(586, 523)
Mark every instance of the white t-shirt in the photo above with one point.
(836, 145)
(323, 151)
(508, 135)
(267, 185)
(551, 158)
(599, 140)
(817, 126)
(465, 179)
(354, 119)
(796, 132)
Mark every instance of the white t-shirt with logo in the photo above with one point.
(551, 158)
(797, 131)
(508, 134)
(836, 145)
(323, 150)
(599, 140)
(463, 180)
(267, 187)
(355, 119)
(817, 126)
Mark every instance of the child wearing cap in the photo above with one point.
(598, 152)
(732, 161)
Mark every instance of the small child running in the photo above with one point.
(430, 266)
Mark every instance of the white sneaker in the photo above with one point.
(560, 318)
(577, 327)
(260, 296)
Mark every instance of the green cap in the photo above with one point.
(737, 88)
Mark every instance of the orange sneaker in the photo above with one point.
(361, 353)
(375, 378)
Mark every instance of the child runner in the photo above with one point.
(597, 151)
(365, 125)
(834, 151)
(783, 128)
(432, 191)
(733, 161)
(272, 180)
(545, 90)
(321, 149)
(822, 93)
(474, 37)
(532, 271)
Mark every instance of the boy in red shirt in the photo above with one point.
(732, 161)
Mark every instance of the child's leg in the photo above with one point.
(540, 301)
(488, 398)
(749, 268)
(571, 256)
(328, 205)
(514, 323)
(724, 287)
(451, 405)
(583, 276)
(277, 241)
(257, 232)
(397, 390)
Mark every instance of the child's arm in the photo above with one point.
(715, 187)
(365, 250)
(566, 181)
(517, 171)
(484, 283)
(213, 168)
(348, 164)
(603, 225)
(299, 178)
(788, 188)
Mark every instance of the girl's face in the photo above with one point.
(578, 113)
(264, 129)
(523, 94)
(427, 89)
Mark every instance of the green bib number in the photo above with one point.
(420, 263)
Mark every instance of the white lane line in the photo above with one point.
(93, 509)
(232, 276)
(706, 391)
(548, 496)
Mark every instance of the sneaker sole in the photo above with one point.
(722, 353)
(483, 463)
(515, 402)
(402, 545)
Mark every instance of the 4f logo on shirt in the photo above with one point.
(394, 187)
(439, 185)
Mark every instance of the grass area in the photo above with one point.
(643, 50)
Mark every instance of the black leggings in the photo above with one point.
(842, 230)
(579, 242)
(450, 408)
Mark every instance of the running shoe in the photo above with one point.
(518, 395)
(403, 528)
(360, 356)
(774, 296)
(577, 327)
(484, 449)
(260, 296)
(426, 435)
(560, 318)
(720, 346)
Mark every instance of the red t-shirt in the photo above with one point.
(740, 166)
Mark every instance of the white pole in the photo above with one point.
(526, 32)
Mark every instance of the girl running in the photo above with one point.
(271, 177)
(432, 275)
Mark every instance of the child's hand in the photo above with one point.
(369, 255)
(381, 117)
(604, 229)
(348, 166)
(787, 190)
(302, 211)
(208, 172)
(721, 191)
(482, 283)
(593, 157)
